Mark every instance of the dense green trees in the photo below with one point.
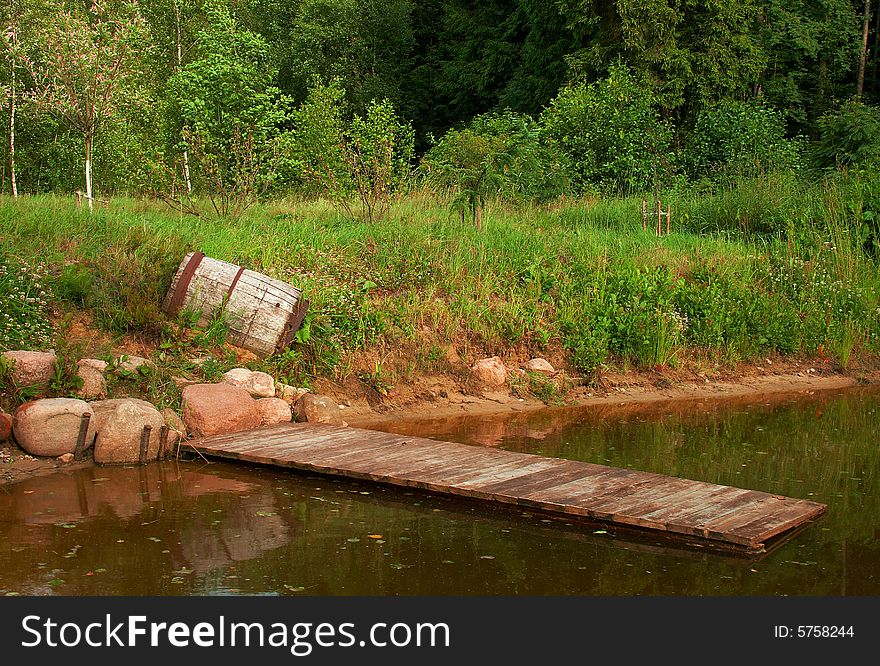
(621, 95)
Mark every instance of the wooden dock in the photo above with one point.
(717, 515)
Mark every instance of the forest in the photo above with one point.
(612, 184)
(521, 98)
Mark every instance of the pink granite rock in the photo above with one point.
(213, 409)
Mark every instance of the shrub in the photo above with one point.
(849, 136)
(497, 154)
(740, 138)
(611, 131)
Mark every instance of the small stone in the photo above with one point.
(50, 427)
(213, 409)
(289, 394)
(273, 411)
(65, 458)
(490, 371)
(258, 384)
(540, 365)
(317, 409)
(31, 368)
(91, 371)
(134, 363)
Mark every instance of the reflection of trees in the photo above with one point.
(278, 529)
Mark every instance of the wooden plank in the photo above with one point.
(719, 514)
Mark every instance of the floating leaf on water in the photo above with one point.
(298, 588)
(397, 565)
(100, 570)
(404, 538)
(156, 539)
(120, 540)
(12, 594)
(353, 540)
(67, 526)
(99, 479)
(177, 580)
(487, 557)
(600, 532)
(447, 562)
(374, 536)
(55, 582)
(183, 571)
(266, 514)
(165, 552)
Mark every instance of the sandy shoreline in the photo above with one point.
(627, 393)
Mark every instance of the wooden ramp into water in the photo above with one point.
(720, 515)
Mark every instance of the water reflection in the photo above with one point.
(192, 528)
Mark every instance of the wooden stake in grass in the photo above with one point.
(644, 214)
(659, 214)
(145, 444)
(668, 218)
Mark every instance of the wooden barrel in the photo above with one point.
(262, 314)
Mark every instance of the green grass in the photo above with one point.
(577, 276)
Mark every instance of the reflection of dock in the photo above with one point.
(717, 515)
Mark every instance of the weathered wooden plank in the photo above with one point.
(716, 513)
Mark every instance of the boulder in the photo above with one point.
(258, 384)
(5, 425)
(31, 368)
(50, 427)
(65, 458)
(213, 409)
(119, 439)
(102, 409)
(317, 409)
(91, 371)
(490, 371)
(540, 365)
(273, 410)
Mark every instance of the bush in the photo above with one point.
(740, 138)
(498, 154)
(848, 137)
(611, 131)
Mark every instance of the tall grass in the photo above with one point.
(771, 266)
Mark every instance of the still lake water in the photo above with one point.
(187, 527)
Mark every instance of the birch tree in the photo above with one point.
(79, 62)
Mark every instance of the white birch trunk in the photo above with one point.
(89, 170)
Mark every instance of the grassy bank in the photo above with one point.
(422, 292)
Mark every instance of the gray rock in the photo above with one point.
(214, 409)
(50, 427)
(31, 368)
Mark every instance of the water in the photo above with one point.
(191, 528)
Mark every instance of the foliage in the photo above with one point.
(496, 155)
(740, 138)
(80, 63)
(849, 136)
(611, 131)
